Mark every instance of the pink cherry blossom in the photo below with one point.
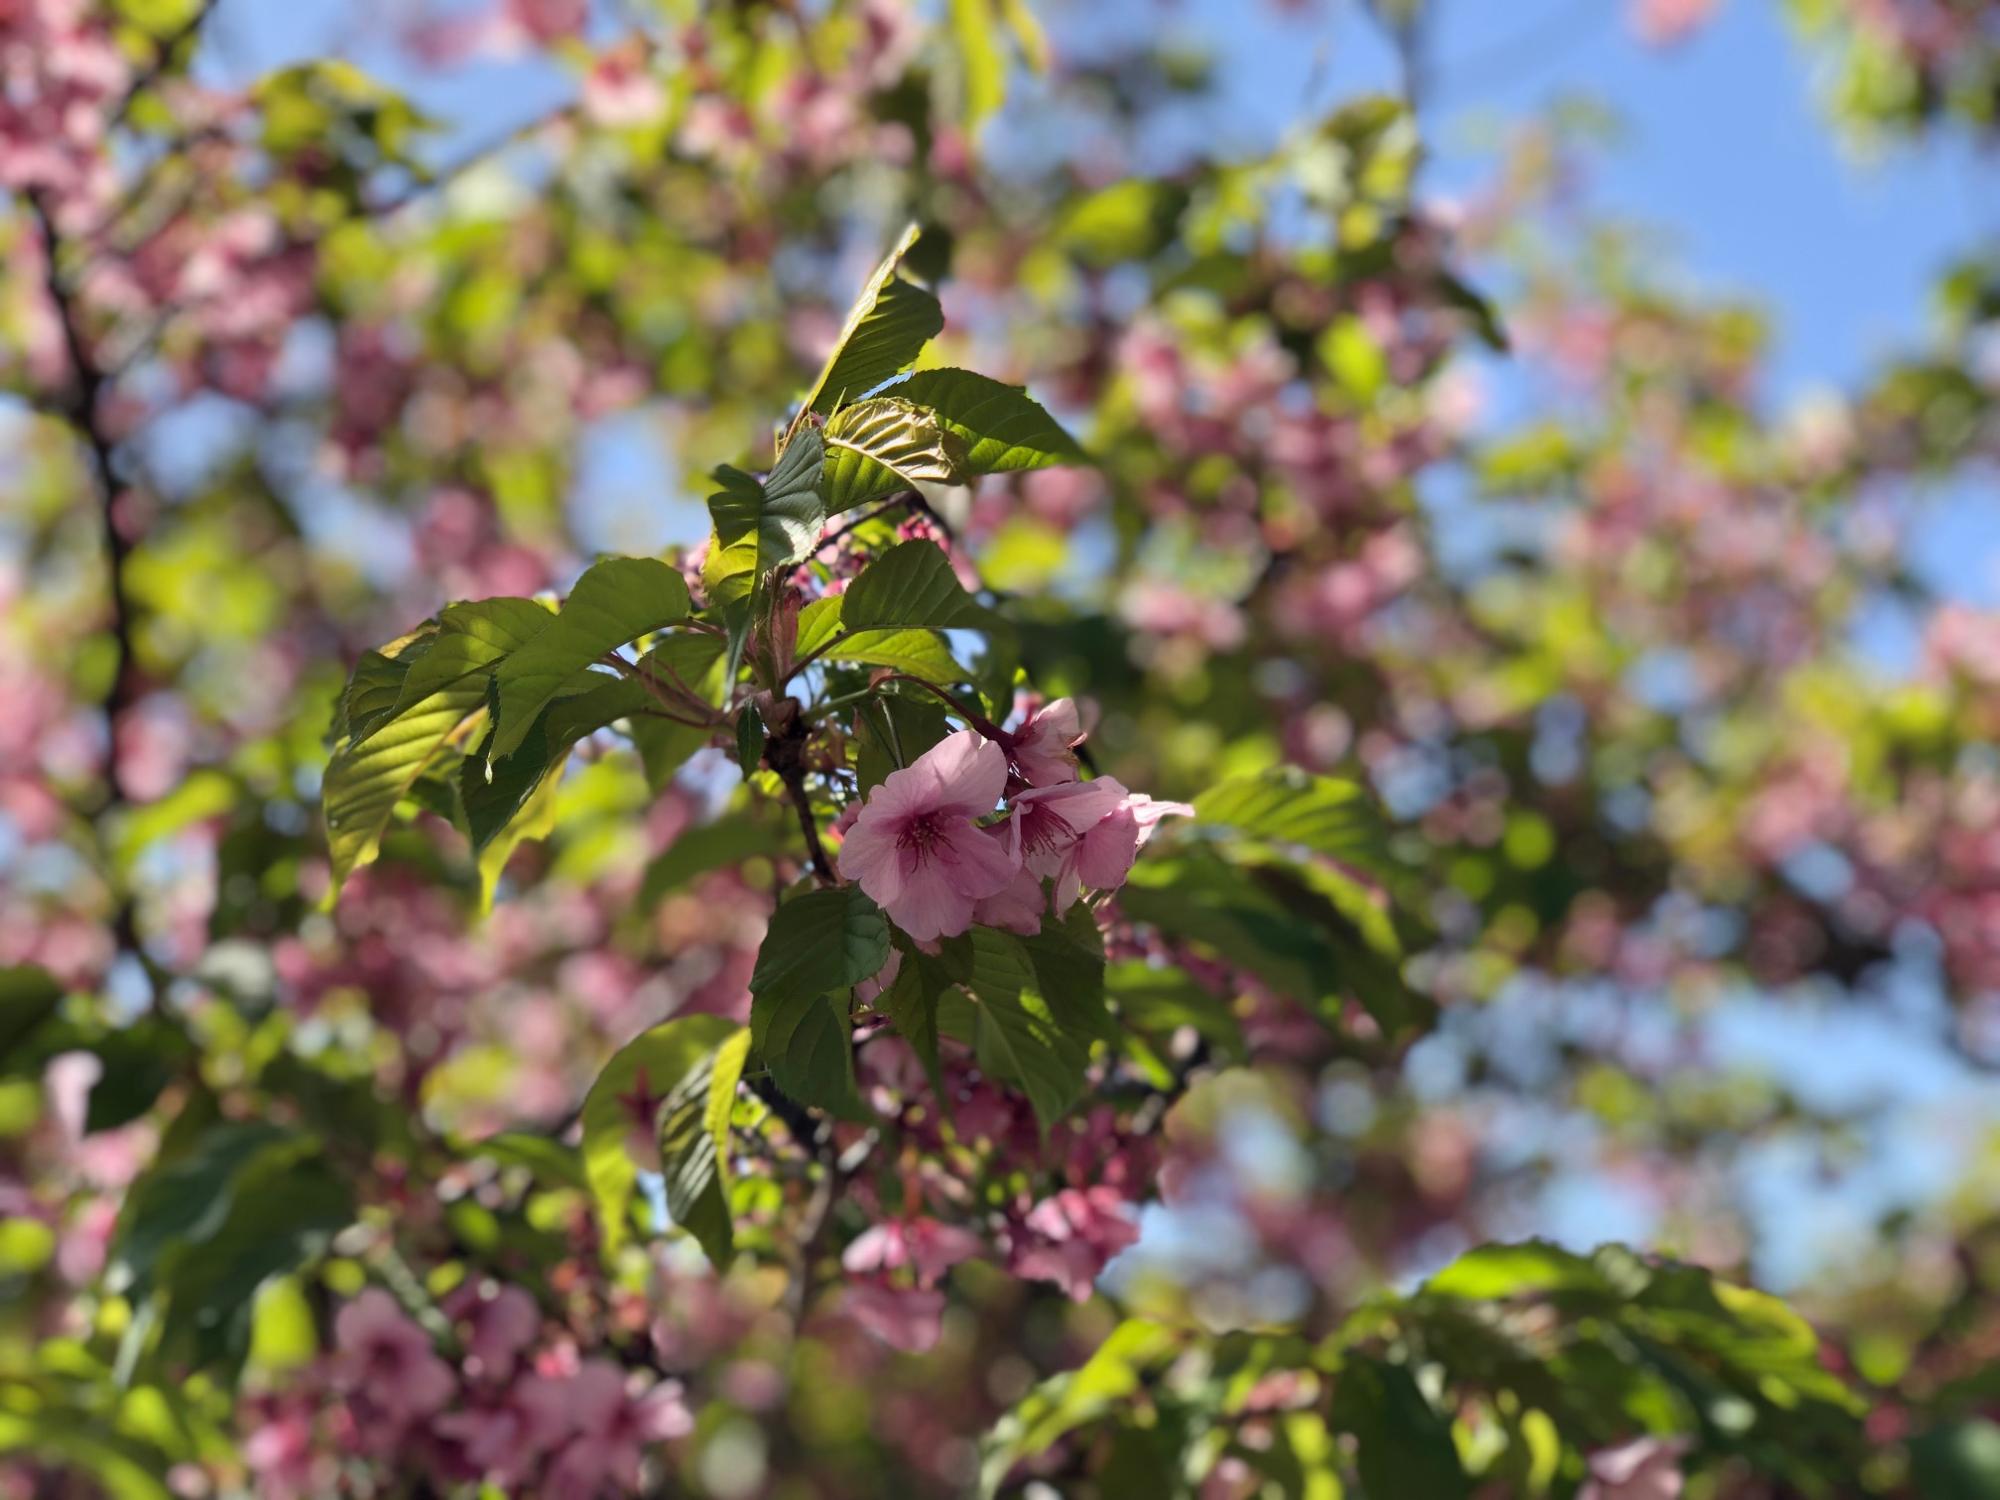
(506, 1437)
(1017, 906)
(500, 1326)
(613, 1420)
(1048, 820)
(926, 1245)
(1043, 749)
(1646, 1468)
(1102, 857)
(907, 1320)
(1070, 1238)
(388, 1360)
(916, 849)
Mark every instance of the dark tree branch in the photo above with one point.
(82, 407)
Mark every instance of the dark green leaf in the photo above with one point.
(912, 584)
(911, 1004)
(1405, 1447)
(821, 941)
(1958, 1461)
(28, 997)
(749, 741)
(761, 527)
(892, 730)
(807, 1043)
(1019, 1037)
(1156, 1001)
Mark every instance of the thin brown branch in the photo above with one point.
(795, 788)
(908, 497)
(82, 407)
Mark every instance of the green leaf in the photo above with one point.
(385, 755)
(1957, 1461)
(375, 688)
(885, 331)
(761, 527)
(615, 602)
(1019, 1037)
(891, 731)
(1134, 1350)
(981, 64)
(999, 427)
(624, 1104)
(912, 584)
(76, 1445)
(821, 941)
(749, 741)
(534, 819)
(921, 653)
(203, 1229)
(694, 1144)
(807, 1043)
(1130, 220)
(512, 800)
(727, 841)
(365, 781)
(884, 445)
(139, 1061)
(29, 995)
(911, 1004)
(1068, 960)
(1289, 806)
(1493, 1272)
(1405, 1447)
(1155, 1001)
(819, 623)
(470, 637)
(818, 946)
(550, 1161)
(492, 792)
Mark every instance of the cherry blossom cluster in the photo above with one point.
(515, 1410)
(927, 848)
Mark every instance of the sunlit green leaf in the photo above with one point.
(615, 602)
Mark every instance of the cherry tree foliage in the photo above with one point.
(929, 972)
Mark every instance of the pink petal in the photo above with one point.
(974, 863)
(1104, 855)
(869, 856)
(910, 1321)
(929, 907)
(967, 771)
(1017, 907)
